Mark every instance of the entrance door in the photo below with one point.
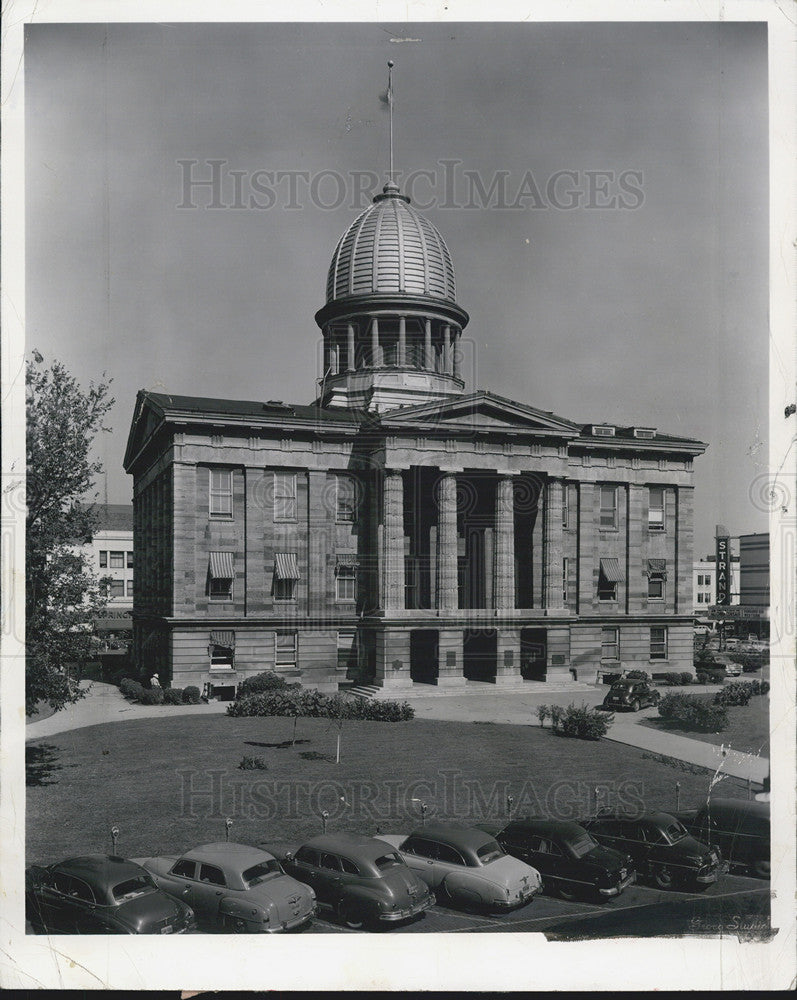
(533, 654)
(480, 650)
(424, 655)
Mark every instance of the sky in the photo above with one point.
(633, 289)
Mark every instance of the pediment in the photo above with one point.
(480, 411)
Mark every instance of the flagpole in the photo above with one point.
(390, 109)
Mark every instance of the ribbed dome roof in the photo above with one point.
(391, 248)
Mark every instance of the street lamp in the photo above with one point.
(510, 801)
(114, 836)
(324, 818)
(227, 825)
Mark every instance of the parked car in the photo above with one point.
(631, 694)
(236, 888)
(466, 865)
(702, 630)
(737, 827)
(363, 881)
(662, 849)
(99, 894)
(571, 862)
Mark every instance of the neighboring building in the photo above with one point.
(704, 584)
(754, 570)
(399, 529)
(111, 553)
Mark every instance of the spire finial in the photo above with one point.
(390, 109)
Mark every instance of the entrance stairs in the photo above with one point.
(418, 690)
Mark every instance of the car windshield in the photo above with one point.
(133, 887)
(259, 873)
(489, 852)
(621, 687)
(581, 845)
(675, 831)
(388, 861)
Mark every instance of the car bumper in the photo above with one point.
(711, 876)
(392, 916)
(294, 922)
(615, 890)
(526, 896)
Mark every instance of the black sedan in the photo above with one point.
(98, 894)
(662, 849)
(571, 862)
(631, 695)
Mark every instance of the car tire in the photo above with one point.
(442, 895)
(351, 916)
(235, 925)
(564, 891)
(635, 705)
(762, 868)
(664, 878)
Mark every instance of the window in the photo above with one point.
(610, 644)
(347, 649)
(330, 861)
(222, 649)
(285, 496)
(351, 869)
(221, 573)
(117, 560)
(286, 575)
(129, 586)
(129, 560)
(565, 570)
(449, 856)
(658, 642)
(565, 505)
(656, 508)
(116, 588)
(308, 856)
(346, 499)
(656, 587)
(284, 590)
(211, 874)
(609, 576)
(346, 583)
(103, 560)
(608, 516)
(220, 493)
(285, 649)
(184, 869)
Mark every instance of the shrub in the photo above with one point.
(311, 703)
(759, 687)
(267, 681)
(670, 679)
(751, 661)
(686, 677)
(542, 713)
(131, 689)
(702, 677)
(151, 696)
(173, 696)
(692, 712)
(703, 658)
(191, 695)
(253, 764)
(638, 675)
(740, 692)
(584, 723)
(556, 716)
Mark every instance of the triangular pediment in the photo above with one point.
(480, 411)
(146, 418)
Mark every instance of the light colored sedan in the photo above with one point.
(235, 888)
(467, 866)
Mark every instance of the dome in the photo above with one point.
(390, 248)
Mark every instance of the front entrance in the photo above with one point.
(533, 654)
(480, 654)
(424, 655)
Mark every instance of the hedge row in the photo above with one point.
(740, 692)
(673, 679)
(134, 691)
(579, 723)
(750, 662)
(267, 681)
(313, 704)
(691, 712)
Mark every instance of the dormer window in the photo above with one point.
(646, 433)
(603, 430)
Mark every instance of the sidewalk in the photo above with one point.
(105, 703)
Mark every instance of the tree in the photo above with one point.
(63, 594)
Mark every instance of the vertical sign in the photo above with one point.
(723, 569)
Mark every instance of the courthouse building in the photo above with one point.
(405, 528)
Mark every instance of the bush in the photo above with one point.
(191, 695)
(703, 658)
(298, 702)
(556, 716)
(131, 689)
(542, 713)
(692, 712)
(750, 661)
(151, 696)
(267, 681)
(759, 687)
(253, 764)
(740, 692)
(638, 675)
(584, 723)
(686, 677)
(670, 679)
(702, 677)
(173, 696)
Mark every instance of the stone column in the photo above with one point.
(553, 544)
(375, 359)
(350, 363)
(428, 350)
(393, 541)
(446, 561)
(455, 353)
(447, 349)
(507, 671)
(402, 341)
(504, 548)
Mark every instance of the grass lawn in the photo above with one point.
(748, 727)
(139, 775)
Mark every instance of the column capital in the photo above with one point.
(508, 473)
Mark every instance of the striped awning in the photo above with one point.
(610, 570)
(346, 560)
(657, 567)
(224, 638)
(286, 566)
(222, 565)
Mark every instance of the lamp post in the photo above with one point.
(227, 825)
(510, 801)
(324, 818)
(114, 836)
(677, 795)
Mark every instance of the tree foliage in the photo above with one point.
(63, 594)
